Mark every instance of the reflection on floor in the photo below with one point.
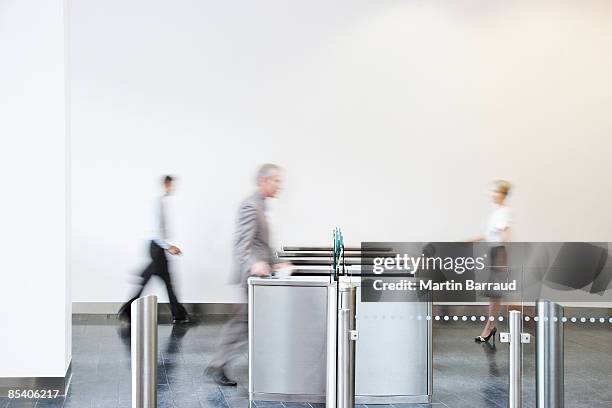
(466, 374)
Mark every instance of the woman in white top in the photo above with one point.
(498, 232)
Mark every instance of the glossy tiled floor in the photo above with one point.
(465, 374)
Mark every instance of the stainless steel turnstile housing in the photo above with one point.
(393, 358)
(288, 341)
(287, 338)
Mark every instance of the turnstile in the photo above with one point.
(287, 338)
(394, 352)
(288, 344)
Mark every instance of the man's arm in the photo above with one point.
(245, 233)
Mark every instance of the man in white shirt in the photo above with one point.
(160, 244)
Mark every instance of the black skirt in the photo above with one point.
(498, 271)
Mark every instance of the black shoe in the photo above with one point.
(181, 320)
(219, 377)
(480, 339)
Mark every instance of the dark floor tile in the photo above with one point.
(125, 404)
(301, 405)
(165, 397)
(21, 403)
(78, 403)
(50, 403)
(212, 399)
(591, 404)
(234, 392)
(239, 402)
(187, 403)
(113, 403)
(214, 403)
(477, 403)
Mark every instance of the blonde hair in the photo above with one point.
(503, 186)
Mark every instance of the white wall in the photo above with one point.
(35, 307)
(390, 118)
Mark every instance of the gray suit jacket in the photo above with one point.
(252, 240)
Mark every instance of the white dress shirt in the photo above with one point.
(499, 219)
(162, 231)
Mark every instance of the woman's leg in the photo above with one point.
(494, 307)
(499, 262)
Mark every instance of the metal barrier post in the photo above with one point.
(549, 355)
(332, 343)
(516, 340)
(347, 299)
(144, 352)
(341, 337)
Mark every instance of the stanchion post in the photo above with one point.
(516, 340)
(341, 337)
(332, 343)
(347, 335)
(144, 352)
(549, 355)
(515, 395)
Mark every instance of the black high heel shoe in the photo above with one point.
(480, 339)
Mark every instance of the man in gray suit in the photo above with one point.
(252, 257)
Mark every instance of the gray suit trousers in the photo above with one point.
(234, 336)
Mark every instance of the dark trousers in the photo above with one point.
(159, 267)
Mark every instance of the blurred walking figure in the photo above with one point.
(160, 244)
(252, 257)
(498, 232)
